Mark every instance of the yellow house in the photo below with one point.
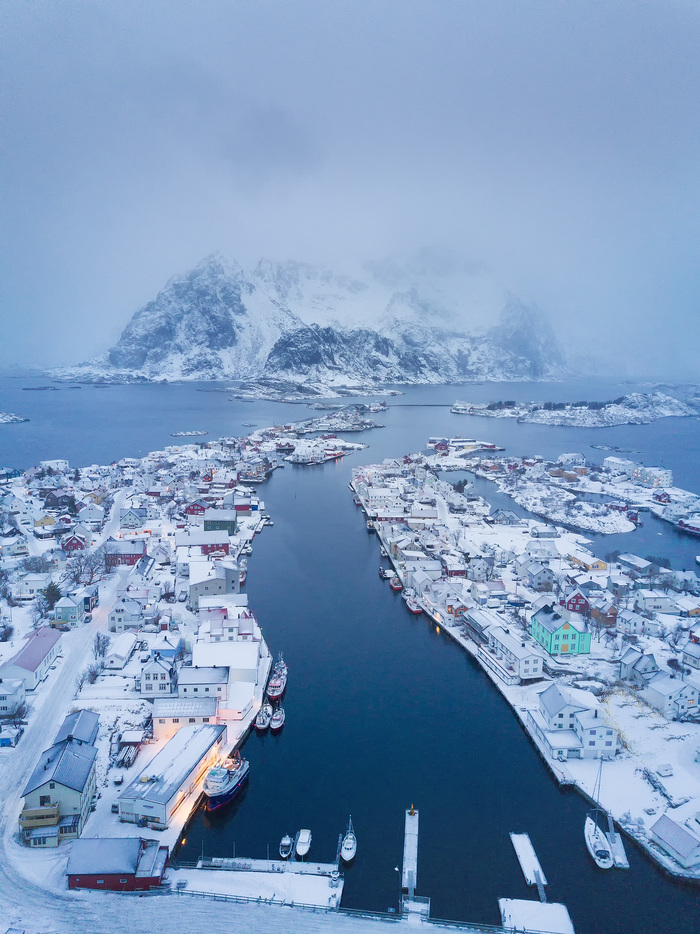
(589, 562)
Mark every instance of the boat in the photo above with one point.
(348, 848)
(286, 846)
(278, 681)
(461, 408)
(264, 717)
(357, 501)
(411, 602)
(278, 718)
(223, 782)
(395, 583)
(370, 526)
(596, 841)
(383, 552)
(303, 843)
(385, 573)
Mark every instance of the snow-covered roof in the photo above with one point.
(163, 776)
(184, 707)
(82, 725)
(104, 855)
(39, 644)
(67, 763)
(194, 674)
(674, 836)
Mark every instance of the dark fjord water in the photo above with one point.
(382, 710)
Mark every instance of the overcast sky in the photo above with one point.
(556, 142)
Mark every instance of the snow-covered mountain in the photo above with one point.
(416, 324)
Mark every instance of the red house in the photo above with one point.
(197, 508)
(73, 543)
(576, 602)
(122, 864)
(123, 553)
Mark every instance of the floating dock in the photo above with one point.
(529, 862)
(409, 874)
(617, 847)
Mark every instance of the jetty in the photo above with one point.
(617, 847)
(529, 863)
(411, 904)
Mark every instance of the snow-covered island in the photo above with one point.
(6, 418)
(636, 408)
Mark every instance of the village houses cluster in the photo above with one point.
(545, 617)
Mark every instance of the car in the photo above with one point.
(88, 617)
(182, 596)
(115, 807)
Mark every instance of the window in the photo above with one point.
(205, 719)
(195, 690)
(122, 882)
(147, 676)
(149, 687)
(163, 687)
(52, 785)
(608, 742)
(192, 720)
(44, 801)
(592, 743)
(162, 676)
(176, 719)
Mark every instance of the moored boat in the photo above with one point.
(411, 602)
(385, 573)
(277, 721)
(303, 843)
(596, 843)
(370, 526)
(223, 782)
(263, 718)
(286, 846)
(395, 583)
(383, 552)
(348, 848)
(278, 681)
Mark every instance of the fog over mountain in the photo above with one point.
(543, 151)
(310, 324)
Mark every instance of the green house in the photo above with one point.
(220, 520)
(558, 634)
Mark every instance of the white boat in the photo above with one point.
(303, 844)
(596, 841)
(461, 408)
(264, 717)
(348, 847)
(286, 846)
(278, 718)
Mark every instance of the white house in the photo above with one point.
(172, 713)
(571, 731)
(33, 661)
(120, 651)
(513, 658)
(672, 696)
(158, 677)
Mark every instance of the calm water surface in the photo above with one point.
(382, 710)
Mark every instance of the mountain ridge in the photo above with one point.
(297, 321)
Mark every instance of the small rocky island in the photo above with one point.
(636, 408)
(6, 418)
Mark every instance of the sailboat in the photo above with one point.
(596, 841)
(348, 848)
